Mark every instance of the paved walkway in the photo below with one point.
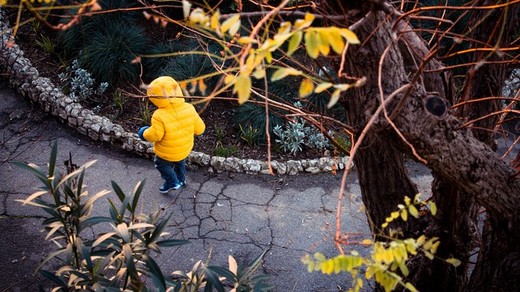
(220, 214)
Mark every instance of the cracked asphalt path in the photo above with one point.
(220, 214)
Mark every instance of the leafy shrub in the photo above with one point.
(191, 61)
(295, 135)
(387, 263)
(119, 260)
(106, 43)
(79, 84)
(111, 51)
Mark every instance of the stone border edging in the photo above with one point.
(26, 80)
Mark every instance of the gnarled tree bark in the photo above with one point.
(426, 121)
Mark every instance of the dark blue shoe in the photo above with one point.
(164, 189)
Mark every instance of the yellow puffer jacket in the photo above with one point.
(174, 123)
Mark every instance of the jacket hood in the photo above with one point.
(164, 91)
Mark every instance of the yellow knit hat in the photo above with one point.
(164, 86)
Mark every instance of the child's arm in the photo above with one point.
(156, 130)
(199, 125)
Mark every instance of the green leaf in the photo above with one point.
(254, 265)
(294, 42)
(119, 192)
(55, 279)
(159, 229)
(136, 194)
(213, 278)
(155, 273)
(36, 170)
(312, 43)
(171, 242)
(224, 272)
(52, 159)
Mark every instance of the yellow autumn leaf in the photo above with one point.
(186, 6)
(243, 87)
(387, 257)
(234, 28)
(413, 211)
(366, 242)
(327, 267)
(323, 44)
(322, 87)
(434, 247)
(404, 215)
(294, 42)
(453, 261)
(312, 43)
(229, 79)
(349, 35)
(226, 25)
(304, 23)
(335, 40)
(410, 287)
(284, 72)
(250, 62)
(285, 28)
(394, 214)
(268, 57)
(259, 73)
(215, 21)
(246, 40)
(306, 87)
(421, 240)
(334, 98)
(433, 208)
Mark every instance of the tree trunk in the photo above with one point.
(452, 152)
(383, 178)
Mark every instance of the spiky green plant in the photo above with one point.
(105, 44)
(191, 61)
(112, 259)
(119, 260)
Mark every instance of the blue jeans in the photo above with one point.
(173, 173)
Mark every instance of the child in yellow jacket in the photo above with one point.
(172, 131)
